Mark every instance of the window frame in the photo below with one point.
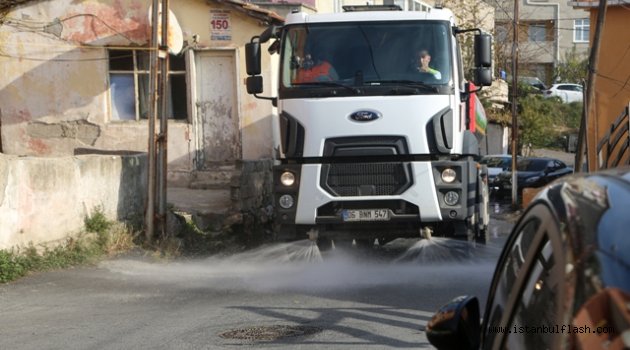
(583, 28)
(137, 72)
(533, 28)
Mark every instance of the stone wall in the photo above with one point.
(43, 200)
(252, 191)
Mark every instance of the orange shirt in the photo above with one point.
(316, 73)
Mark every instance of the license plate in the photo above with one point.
(365, 215)
(508, 187)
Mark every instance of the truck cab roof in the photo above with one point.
(358, 16)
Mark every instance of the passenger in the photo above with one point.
(311, 70)
(423, 59)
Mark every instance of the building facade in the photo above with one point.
(549, 30)
(74, 78)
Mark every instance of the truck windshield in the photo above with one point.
(367, 55)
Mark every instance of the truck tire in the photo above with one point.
(365, 243)
(483, 236)
(324, 243)
(464, 231)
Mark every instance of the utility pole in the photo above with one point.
(156, 182)
(153, 80)
(163, 136)
(587, 144)
(514, 103)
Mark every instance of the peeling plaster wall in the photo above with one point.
(54, 89)
(54, 73)
(45, 200)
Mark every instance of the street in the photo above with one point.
(273, 297)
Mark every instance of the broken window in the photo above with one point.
(129, 73)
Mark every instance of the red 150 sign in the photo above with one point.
(220, 24)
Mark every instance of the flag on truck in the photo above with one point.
(477, 120)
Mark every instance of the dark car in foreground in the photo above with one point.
(530, 172)
(563, 278)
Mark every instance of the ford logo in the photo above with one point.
(365, 116)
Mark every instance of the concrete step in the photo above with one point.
(219, 177)
(209, 210)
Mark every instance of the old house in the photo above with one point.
(74, 77)
(74, 80)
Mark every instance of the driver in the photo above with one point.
(423, 60)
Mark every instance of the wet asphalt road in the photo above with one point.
(268, 298)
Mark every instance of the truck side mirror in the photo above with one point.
(483, 60)
(252, 58)
(483, 76)
(483, 51)
(456, 325)
(254, 84)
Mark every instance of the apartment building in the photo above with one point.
(549, 30)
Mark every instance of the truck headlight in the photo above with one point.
(287, 178)
(448, 175)
(451, 198)
(286, 201)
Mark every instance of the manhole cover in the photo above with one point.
(267, 333)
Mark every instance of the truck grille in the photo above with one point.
(365, 179)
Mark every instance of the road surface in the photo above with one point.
(268, 298)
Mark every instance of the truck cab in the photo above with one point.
(374, 143)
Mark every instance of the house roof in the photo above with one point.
(595, 3)
(8, 4)
(252, 10)
(249, 9)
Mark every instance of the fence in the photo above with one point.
(612, 149)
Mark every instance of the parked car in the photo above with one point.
(566, 92)
(530, 172)
(534, 82)
(496, 164)
(562, 280)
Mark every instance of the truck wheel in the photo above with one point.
(324, 243)
(483, 236)
(464, 231)
(384, 240)
(365, 244)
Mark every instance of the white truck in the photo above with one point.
(378, 148)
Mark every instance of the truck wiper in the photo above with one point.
(331, 84)
(409, 83)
